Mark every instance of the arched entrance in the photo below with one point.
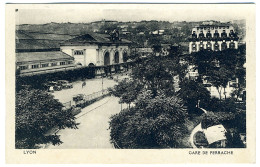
(116, 57)
(124, 56)
(106, 59)
(91, 73)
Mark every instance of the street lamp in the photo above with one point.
(102, 83)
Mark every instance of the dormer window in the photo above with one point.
(208, 35)
(216, 34)
(201, 35)
(78, 52)
(194, 35)
(224, 34)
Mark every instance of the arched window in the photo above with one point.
(232, 34)
(232, 45)
(106, 59)
(209, 45)
(223, 46)
(201, 46)
(194, 47)
(125, 56)
(216, 46)
(116, 57)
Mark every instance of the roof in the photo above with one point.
(29, 44)
(96, 38)
(26, 42)
(50, 36)
(37, 41)
(41, 56)
(215, 133)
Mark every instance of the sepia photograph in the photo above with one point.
(132, 76)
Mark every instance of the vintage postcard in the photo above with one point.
(130, 83)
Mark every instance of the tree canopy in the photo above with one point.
(157, 117)
(37, 112)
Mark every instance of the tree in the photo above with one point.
(157, 118)
(154, 122)
(219, 78)
(126, 90)
(192, 93)
(37, 112)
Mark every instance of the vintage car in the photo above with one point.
(78, 97)
(64, 84)
(52, 86)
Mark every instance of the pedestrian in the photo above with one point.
(83, 84)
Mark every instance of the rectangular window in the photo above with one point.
(69, 62)
(45, 65)
(53, 64)
(78, 52)
(35, 66)
(62, 63)
(23, 67)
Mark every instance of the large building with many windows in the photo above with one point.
(30, 63)
(36, 56)
(213, 36)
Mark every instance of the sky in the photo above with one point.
(86, 13)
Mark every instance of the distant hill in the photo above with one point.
(57, 28)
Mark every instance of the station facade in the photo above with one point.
(104, 52)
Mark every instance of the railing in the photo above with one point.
(86, 99)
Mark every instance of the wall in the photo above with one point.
(95, 54)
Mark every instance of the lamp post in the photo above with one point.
(102, 83)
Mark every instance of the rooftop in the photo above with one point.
(94, 38)
(41, 56)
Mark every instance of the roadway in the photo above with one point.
(93, 131)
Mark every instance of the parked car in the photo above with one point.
(52, 86)
(78, 97)
(207, 85)
(233, 84)
(64, 84)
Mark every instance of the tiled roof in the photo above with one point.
(36, 40)
(93, 38)
(29, 44)
(49, 36)
(41, 56)
(26, 42)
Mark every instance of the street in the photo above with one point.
(93, 131)
(92, 85)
